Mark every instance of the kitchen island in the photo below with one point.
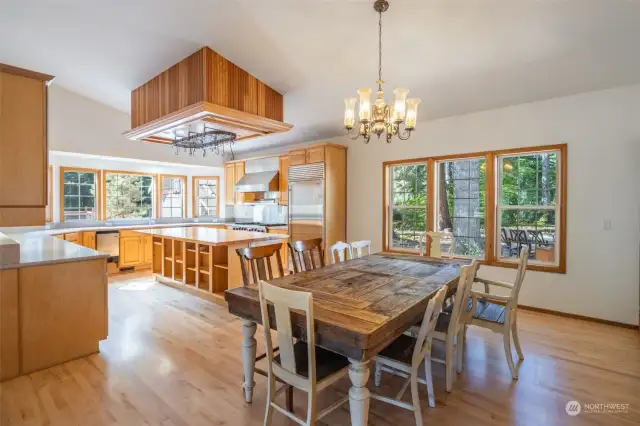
(203, 261)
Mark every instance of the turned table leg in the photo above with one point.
(358, 393)
(248, 357)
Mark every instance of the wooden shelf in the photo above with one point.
(168, 258)
(157, 243)
(192, 269)
(204, 271)
(191, 250)
(179, 261)
(222, 266)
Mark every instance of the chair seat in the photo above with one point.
(485, 311)
(327, 362)
(400, 349)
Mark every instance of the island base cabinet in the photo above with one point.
(62, 311)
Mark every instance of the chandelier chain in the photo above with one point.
(380, 50)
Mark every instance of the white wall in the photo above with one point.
(81, 125)
(58, 159)
(602, 130)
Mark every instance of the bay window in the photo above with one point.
(205, 196)
(407, 207)
(173, 196)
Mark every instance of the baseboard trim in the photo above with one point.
(579, 317)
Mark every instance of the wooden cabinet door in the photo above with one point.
(297, 157)
(23, 147)
(239, 173)
(147, 248)
(229, 182)
(284, 179)
(131, 252)
(315, 155)
(89, 239)
(73, 237)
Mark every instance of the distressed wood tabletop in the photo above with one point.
(360, 305)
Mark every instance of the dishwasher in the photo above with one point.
(109, 242)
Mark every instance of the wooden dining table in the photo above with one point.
(360, 306)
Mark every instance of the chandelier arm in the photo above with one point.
(403, 135)
(357, 135)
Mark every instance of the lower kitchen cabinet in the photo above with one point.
(135, 250)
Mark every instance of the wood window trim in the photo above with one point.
(159, 193)
(49, 212)
(491, 206)
(104, 174)
(194, 196)
(99, 186)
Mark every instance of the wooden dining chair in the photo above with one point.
(342, 251)
(360, 247)
(303, 254)
(256, 263)
(450, 325)
(435, 247)
(500, 313)
(404, 356)
(300, 364)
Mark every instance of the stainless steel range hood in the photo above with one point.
(261, 175)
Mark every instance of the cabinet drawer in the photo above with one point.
(315, 155)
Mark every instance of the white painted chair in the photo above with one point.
(342, 250)
(404, 356)
(358, 248)
(299, 364)
(500, 313)
(450, 325)
(435, 247)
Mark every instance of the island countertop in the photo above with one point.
(210, 236)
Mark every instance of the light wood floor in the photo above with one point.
(172, 359)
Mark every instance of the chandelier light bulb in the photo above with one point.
(349, 112)
(400, 104)
(365, 105)
(412, 113)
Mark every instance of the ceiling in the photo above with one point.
(458, 56)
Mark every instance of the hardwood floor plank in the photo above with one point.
(173, 359)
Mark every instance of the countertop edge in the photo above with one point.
(53, 262)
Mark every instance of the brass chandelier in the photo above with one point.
(380, 118)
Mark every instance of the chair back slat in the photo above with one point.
(358, 248)
(342, 250)
(302, 254)
(283, 302)
(256, 263)
(522, 270)
(428, 325)
(463, 291)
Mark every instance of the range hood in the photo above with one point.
(204, 91)
(259, 182)
(261, 175)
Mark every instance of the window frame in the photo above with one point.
(194, 194)
(159, 186)
(48, 214)
(126, 172)
(98, 181)
(492, 159)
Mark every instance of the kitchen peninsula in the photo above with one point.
(203, 261)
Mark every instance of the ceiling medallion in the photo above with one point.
(381, 118)
(214, 140)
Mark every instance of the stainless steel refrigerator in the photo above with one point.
(306, 202)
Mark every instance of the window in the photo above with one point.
(461, 205)
(79, 194)
(205, 196)
(172, 197)
(528, 206)
(48, 213)
(492, 204)
(408, 206)
(128, 195)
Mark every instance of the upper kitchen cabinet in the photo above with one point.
(229, 183)
(284, 179)
(238, 173)
(23, 146)
(297, 157)
(203, 92)
(310, 155)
